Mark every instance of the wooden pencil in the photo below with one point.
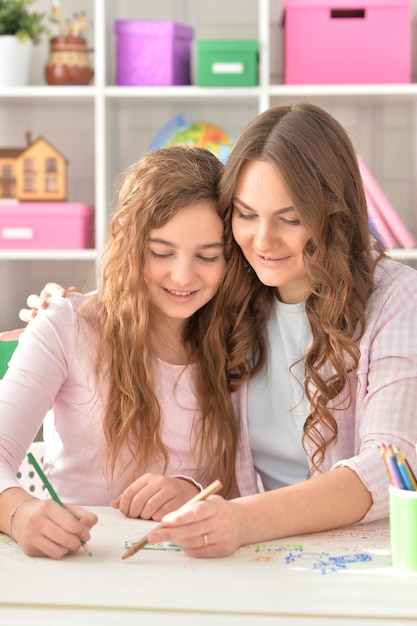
(383, 453)
(387, 455)
(214, 487)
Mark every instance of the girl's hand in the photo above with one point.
(152, 496)
(205, 529)
(45, 528)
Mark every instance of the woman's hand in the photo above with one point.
(205, 529)
(35, 303)
(152, 496)
(45, 528)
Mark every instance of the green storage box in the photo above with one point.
(227, 62)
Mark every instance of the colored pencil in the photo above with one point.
(399, 471)
(392, 461)
(51, 491)
(208, 491)
(406, 471)
(391, 466)
(383, 453)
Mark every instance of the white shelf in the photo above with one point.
(48, 255)
(103, 127)
(183, 92)
(49, 92)
(394, 91)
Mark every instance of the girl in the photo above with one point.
(138, 373)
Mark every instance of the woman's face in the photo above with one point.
(267, 228)
(185, 261)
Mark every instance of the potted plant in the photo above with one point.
(20, 29)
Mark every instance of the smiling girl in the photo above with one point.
(138, 374)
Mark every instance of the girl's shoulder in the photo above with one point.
(60, 316)
(70, 305)
(72, 299)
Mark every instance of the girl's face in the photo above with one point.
(185, 261)
(267, 228)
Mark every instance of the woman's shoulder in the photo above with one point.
(394, 282)
(391, 272)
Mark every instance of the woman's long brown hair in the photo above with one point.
(317, 163)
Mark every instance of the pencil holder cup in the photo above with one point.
(403, 528)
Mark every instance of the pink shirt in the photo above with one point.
(52, 368)
(384, 405)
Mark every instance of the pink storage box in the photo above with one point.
(347, 41)
(46, 225)
(153, 52)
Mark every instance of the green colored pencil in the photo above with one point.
(51, 491)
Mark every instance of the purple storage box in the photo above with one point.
(153, 52)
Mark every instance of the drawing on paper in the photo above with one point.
(356, 549)
(168, 547)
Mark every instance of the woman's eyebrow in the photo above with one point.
(285, 209)
(237, 200)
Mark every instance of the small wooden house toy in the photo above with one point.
(37, 172)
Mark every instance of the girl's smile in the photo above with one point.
(185, 261)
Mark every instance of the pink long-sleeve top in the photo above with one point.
(52, 368)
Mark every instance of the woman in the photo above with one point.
(341, 375)
(138, 374)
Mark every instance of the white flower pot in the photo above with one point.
(15, 58)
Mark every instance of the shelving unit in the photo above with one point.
(101, 128)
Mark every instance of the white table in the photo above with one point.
(314, 579)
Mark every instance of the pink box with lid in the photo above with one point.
(46, 225)
(153, 52)
(347, 41)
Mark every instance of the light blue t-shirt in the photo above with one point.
(277, 406)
